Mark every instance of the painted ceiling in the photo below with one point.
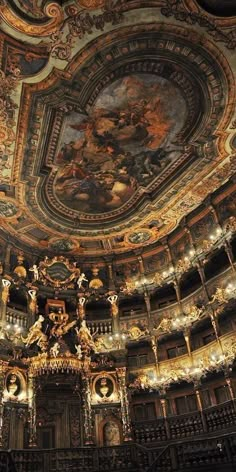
(117, 119)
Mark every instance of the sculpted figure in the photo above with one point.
(78, 351)
(113, 301)
(5, 290)
(165, 325)
(219, 296)
(82, 278)
(111, 434)
(80, 307)
(55, 349)
(36, 334)
(35, 271)
(85, 336)
(32, 301)
(195, 313)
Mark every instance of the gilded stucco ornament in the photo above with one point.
(36, 335)
(190, 370)
(8, 86)
(79, 23)
(58, 272)
(52, 11)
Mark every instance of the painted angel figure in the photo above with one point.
(35, 270)
(82, 278)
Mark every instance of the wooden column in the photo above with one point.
(87, 409)
(125, 413)
(32, 410)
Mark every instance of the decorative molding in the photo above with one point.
(175, 8)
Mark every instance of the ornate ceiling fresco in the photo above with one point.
(117, 119)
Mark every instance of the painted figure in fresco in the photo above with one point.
(34, 7)
(111, 434)
(12, 385)
(7, 209)
(124, 143)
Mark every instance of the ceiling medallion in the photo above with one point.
(116, 152)
(63, 245)
(140, 236)
(7, 209)
(125, 142)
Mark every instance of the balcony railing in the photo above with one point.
(215, 453)
(15, 317)
(216, 418)
(104, 326)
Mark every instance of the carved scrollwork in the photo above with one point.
(175, 8)
(52, 11)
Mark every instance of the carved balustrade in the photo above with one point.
(200, 357)
(198, 454)
(184, 426)
(143, 456)
(220, 280)
(27, 461)
(117, 458)
(6, 463)
(150, 431)
(222, 416)
(15, 317)
(194, 454)
(101, 327)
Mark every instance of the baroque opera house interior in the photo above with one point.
(117, 235)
